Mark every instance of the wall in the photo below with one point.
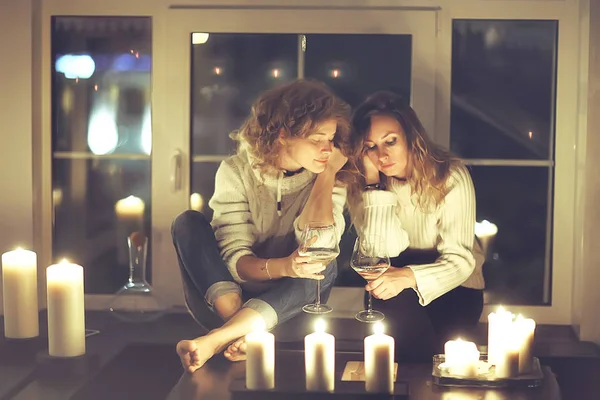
(587, 271)
(16, 200)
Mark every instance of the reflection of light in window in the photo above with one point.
(147, 132)
(335, 73)
(75, 66)
(96, 87)
(67, 100)
(196, 202)
(530, 135)
(102, 131)
(57, 196)
(217, 70)
(199, 37)
(276, 73)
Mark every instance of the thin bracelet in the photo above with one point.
(267, 268)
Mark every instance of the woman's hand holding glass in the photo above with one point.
(299, 266)
(391, 283)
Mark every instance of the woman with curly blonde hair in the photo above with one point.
(244, 266)
(421, 201)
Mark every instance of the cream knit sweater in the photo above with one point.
(246, 220)
(392, 214)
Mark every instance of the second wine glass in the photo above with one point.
(320, 243)
(370, 259)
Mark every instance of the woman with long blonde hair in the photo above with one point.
(421, 200)
(244, 267)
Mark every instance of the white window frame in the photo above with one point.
(566, 111)
(171, 117)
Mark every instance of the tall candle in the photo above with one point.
(319, 359)
(379, 362)
(485, 231)
(20, 294)
(526, 331)
(507, 361)
(499, 325)
(66, 310)
(130, 208)
(461, 357)
(260, 359)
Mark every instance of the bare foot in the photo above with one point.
(236, 350)
(195, 353)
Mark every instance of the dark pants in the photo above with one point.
(422, 331)
(205, 277)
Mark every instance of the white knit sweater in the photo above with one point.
(393, 214)
(245, 219)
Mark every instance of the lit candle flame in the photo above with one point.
(320, 326)
(378, 328)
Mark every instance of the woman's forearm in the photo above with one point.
(256, 269)
(319, 206)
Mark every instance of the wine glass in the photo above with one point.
(370, 259)
(320, 243)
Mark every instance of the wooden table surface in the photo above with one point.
(214, 379)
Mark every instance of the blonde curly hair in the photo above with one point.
(294, 109)
(429, 165)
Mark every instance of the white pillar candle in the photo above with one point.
(66, 310)
(379, 362)
(319, 359)
(461, 358)
(499, 325)
(130, 208)
(486, 232)
(526, 331)
(260, 359)
(20, 294)
(507, 362)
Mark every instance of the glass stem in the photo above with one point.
(318, 302)
(370, 304)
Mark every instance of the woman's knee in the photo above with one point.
(188, 223)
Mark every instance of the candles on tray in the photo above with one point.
(20, 294)
(66, 310)
(319, 359)
(379, 362)
(461, 358)
(507, 359)
(499, 326)
(260, 358)
(525, 328)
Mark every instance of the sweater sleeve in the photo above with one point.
(232, 220)
(339, 200)
(380, 221)
(455, 242)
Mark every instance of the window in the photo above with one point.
(502, 123)
(101, 143)
(230, 70)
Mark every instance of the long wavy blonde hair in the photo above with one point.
(293, 109)
(428, 165)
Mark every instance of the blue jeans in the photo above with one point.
(205, 277)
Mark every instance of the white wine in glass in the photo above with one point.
(319, 242)
(370, 259)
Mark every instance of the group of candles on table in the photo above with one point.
(510, 338)
(65, 302)
(510, 344)
(319, 360)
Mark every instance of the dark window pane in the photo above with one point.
(356, 65)
(203, 186)
(88, 229)
(101, 84)
(228, 72)
(100, 106)
(515, 199)
(503, 80)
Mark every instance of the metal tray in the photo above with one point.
(485, 376)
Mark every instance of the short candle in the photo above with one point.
(319, 359)
(379, 361)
